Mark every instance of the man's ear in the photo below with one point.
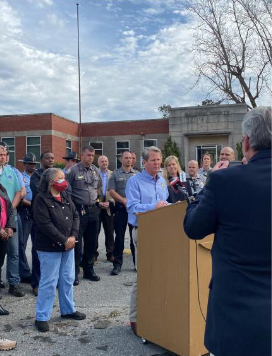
(246, 143)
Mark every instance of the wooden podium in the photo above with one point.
(171, 294)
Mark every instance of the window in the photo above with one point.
(10, 141)
(121, 146)
(33, 145)
(148, 143)
(68, 147)
(98, 146)
(214, 151)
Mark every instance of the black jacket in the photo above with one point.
(55, 221)
(35, 181)
(10, 210)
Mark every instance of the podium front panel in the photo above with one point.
(167, 307)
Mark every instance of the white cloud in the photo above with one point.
(126, 79)
(55, 21)
(41, 3)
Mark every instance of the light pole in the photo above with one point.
(79, 91)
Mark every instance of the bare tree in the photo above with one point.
(228, 49)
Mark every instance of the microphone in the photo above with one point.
(183, 187)
(177, 185)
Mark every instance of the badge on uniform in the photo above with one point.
(80, 177)
(162, 184)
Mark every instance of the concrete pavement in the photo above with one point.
(105, 331)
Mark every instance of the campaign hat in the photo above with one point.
(72, 155)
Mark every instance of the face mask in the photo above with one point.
(60, 185)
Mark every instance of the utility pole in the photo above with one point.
(79, 91)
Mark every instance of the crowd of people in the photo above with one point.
(63, 212)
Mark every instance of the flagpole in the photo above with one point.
(79, 88)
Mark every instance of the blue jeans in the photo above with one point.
(57, 268)
(13, 258)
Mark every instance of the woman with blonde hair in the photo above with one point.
(172, 169)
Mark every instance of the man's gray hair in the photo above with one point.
(145, 153)
(257, 126)
(47, 177)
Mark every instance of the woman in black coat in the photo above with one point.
(57, 224)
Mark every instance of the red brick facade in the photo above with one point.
(54, 130)
(118, 128)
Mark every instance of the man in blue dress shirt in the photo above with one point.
(144, 191)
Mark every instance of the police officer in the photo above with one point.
(117, 186)
(195, 180)
(85, 180)
(29, 163)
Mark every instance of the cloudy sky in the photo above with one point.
(133, 58)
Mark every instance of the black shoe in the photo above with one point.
(2, 285)
(92, 276)
(26, 280)
(3, 311)
(76, 281)
(35, 291)
(16, 290)
(116, 270)
(42, 326)
(75, 316)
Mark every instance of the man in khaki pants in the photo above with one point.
(144, 191)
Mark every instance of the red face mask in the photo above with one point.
(60, 185)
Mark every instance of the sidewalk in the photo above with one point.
(105, 331)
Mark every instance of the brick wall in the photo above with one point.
(20, 148)
(117, 128)
(64, 125)
(25, 122)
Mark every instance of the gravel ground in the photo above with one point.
(105, 331)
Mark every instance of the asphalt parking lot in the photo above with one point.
(105, 331)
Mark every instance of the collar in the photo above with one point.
(86, 168)
(149, 177)
(260, 155)
(131, 170)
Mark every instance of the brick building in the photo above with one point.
(196, 130)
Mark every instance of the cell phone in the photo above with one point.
(234, 163)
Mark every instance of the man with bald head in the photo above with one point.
(195, 179)
(227, 154)
(105, 217)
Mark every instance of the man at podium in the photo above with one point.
(235, 205)
(144, 191)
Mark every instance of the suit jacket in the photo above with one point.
(236, 206)
(108, 198)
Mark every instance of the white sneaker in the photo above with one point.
(6, 344)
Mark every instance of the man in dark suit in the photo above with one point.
(235, 205)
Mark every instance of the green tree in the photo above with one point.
(239, 150)
(170, 149)
(60, 165)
